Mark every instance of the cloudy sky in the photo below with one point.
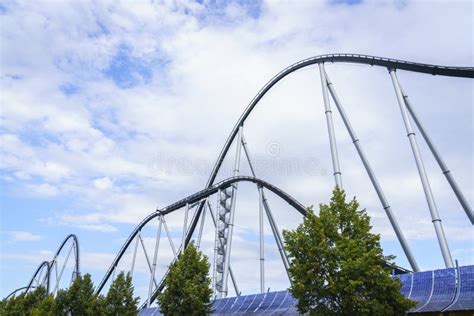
(112, 109)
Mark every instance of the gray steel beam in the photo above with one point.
(232, 211)
(378, 189)
(231, 273)
(444, 168)
(134, 257)
(273, 226)
(155, 256)
(262, 250)
(330, 126)
(422, 172)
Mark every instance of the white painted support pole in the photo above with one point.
(185, 226)
(230, 267)
(62, 268)
(373, 178)
(444, 168)
(201, 227)
(134, 255)
(330, 125)
(232, 210)
(423, 175)
(262, 251)
(155, 256)
(169, 237)
(146, 258)
(275, 231)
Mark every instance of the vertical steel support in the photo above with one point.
(134, 255)
(230, 268)
(146, 257)
(275, 231)
(62, 268)
(262, 251)
(444, 168)
(155, 256)
(278, 238)
(373, 178)
(185, 226)
(216, 246)
(201, 227)
(232, 211)
(169, 237)
(422, 172)
(330, 124)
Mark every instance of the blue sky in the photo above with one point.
(111, 109)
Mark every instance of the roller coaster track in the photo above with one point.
(196, 197)
(236, 136)
(53, 264)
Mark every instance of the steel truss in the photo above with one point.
(225, 192)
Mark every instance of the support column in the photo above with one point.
(232, 211)
(373, 178)
(134, 255)
(234, 282)
(201, 227)
(444, 168)
(262, 252)
(278, 237)
(169, 237)
(422, 172)
(332, 135)
(155, 256)
(275, 231)
(185, 226)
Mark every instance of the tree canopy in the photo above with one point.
(187, 286)
(79, 299)
(337, 265)
(119, 299)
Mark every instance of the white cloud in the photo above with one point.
(23, 236)
(117, 154)
(102, 183)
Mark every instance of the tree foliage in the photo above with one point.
(337, 264)
(119, 299)
(79, 299)
(187, 286)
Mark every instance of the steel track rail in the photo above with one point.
(196, 197)
(75, 240)
(389, 63)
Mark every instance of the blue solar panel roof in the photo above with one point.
(435, 291)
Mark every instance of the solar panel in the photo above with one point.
(444, 291)
(422, 286)
(465, 298)
(279, 298)
(222, 303)
(235, 307)
(267, 301)
(246, 304)
(256, 302)
(406, 280)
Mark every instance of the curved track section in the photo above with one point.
(462, 72)
(49, 265)
(388, 63)
(38, 274)
(194, 198)
(75, 242)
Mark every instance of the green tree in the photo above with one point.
(35, 302)
(119, 299)
(187, 286)
(336, 266)
(79, 299)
